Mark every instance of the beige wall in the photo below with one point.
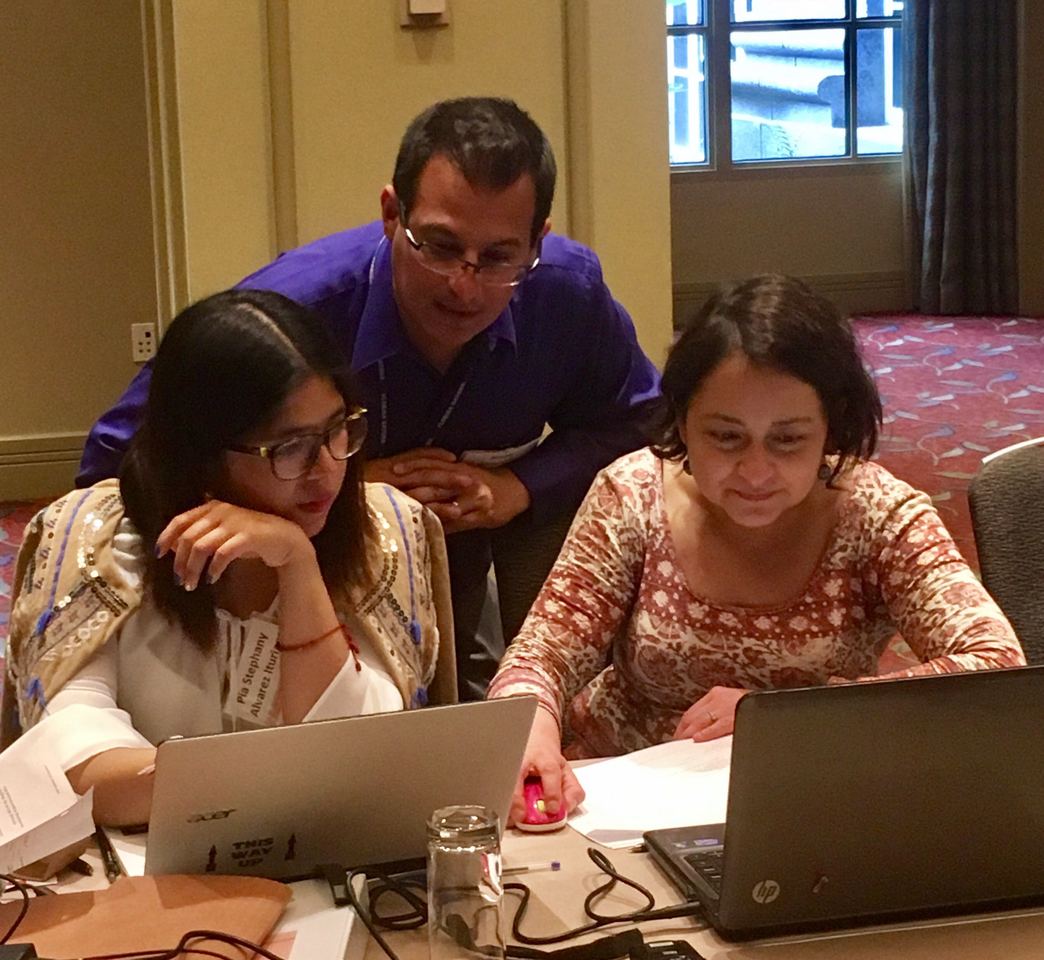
(76, 256)
(839, 227)
(358, 78)
(618, 170)
(220, 50)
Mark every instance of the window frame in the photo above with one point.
(717, 30)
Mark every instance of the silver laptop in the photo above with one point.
(279, 802)
(873, 802)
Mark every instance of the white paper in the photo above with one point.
(676, 784)
(312, 928)
(40, 813)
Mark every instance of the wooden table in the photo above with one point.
(557, 904)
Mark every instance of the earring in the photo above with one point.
(824, 472)
(686, 466)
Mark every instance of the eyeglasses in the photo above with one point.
(446, 261)
(293, 458)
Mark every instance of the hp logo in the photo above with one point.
(765, 891)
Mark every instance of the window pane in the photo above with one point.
(684, 13)
(788, 94)
(879, 91)
(879, 8)
(687, 98)
(743, 11)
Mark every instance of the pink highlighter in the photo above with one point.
(536, 820)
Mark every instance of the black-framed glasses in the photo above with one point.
(293, 458)
(445, 260)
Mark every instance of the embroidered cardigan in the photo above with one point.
(71, 597)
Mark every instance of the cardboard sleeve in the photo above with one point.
(149, 913)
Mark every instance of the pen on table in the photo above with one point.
(552, 865)
(113, 869)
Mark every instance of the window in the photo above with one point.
(783, 80)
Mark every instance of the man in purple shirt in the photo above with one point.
(469, 327)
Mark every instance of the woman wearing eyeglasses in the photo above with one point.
(239, 575)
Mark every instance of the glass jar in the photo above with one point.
(465, 891)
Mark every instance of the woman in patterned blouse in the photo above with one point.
(754, 546)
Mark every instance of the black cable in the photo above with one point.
(23, 889)
(404, 887)
(183, 948)
(648, 912)
(403, 921)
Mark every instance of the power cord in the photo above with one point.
(599, 920)
(622, 945)
(405, 886)
(13, 883)
(411, 889)
(183, 947)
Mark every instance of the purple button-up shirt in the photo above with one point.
(562, 353)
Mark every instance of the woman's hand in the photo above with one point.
(712, 716)
(219, 532)
(122, 780)
(543, 757)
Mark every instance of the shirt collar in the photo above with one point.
(381, 334)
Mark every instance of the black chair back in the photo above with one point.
(1007, 510)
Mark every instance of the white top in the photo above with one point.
(151, 681)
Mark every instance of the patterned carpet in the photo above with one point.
(954, 388)
(13, 518)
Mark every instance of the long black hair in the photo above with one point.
(777, 322)
(223, 368)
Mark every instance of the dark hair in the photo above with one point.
(225, 366)
(491, 141)
(780, 323)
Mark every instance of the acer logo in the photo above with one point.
(213, 815)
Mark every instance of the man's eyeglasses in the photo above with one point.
(293, 458)
(446, 261)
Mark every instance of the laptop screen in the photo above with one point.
(357, 791)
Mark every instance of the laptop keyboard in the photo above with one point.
(708, 864)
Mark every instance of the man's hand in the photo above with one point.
(393, 470)
(463, 496)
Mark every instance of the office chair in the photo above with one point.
(1007, 511)
(523, 554)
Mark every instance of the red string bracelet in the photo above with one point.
(352, 645)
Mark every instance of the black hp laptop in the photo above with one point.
(873, 802)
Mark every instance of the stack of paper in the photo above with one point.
(39, 812)
(677, 784)
(312, 928)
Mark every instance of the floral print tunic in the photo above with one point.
(617, 646)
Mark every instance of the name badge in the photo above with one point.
(491, 459)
